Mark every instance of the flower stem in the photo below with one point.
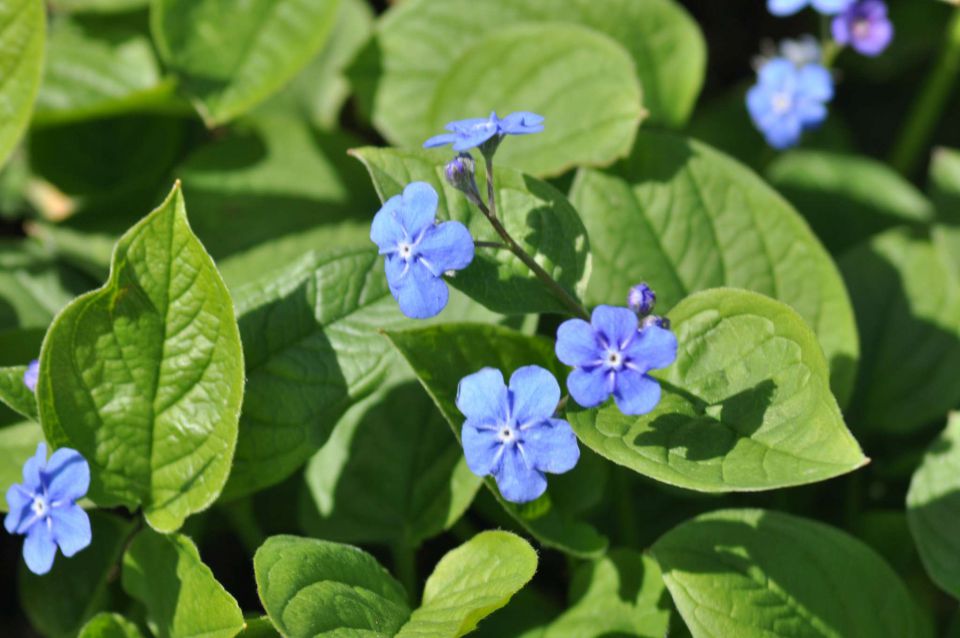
(928, 108)
(405, 568)
(489, 244)
(490, 211)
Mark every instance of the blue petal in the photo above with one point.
(784, 133)
(39, 549)
(19, 504)
(785, 7)
(71, 529)
(815, 82)
(440, 140)
(33, 467)
(830, 7)
(481, 448)
(67, 476)
(636, 393)
(577, 343)
(518, 480)
(759, 103)
(617, 325)
(535, 394)
(386, 231)
(418, 209)
(779, 74)
(32, 375)
(482, 397)
(551, 446)
(653, 348)
(447, 246)
(476, 137)
(522, 123)
(589, 388)
(419, 294)
(811, 113)
(469, 125)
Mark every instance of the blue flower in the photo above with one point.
(419, 251)
(466, 134)
(789, 7)
(31, 375)
(510, 432)
(610, 355)
(788, 100)
(641, 299)
(864, 26)
(44, 507)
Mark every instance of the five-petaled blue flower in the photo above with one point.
(31, 375)
(44, 507)
(419, 251)
(510, 431)
(466, 134)
(865, 26)
(789, 7)
(611, 355)
(788, 100)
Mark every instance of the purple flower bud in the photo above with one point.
(641, 299)
(655, 320)
(865, 26)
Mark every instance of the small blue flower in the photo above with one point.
(466, 134)
(610, 355)
(789, 7)
(31, 375)
(510, 432)
(641, 299)
(864, 26)
(419, 251)
(44, 507)
(788, 100)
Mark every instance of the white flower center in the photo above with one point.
(39, 506)
(613, 359)
(405, 250)
(507, 434)
(861, 28)
(782, 102)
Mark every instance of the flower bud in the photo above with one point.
(460, 173)
(641, 299)
(655, 320)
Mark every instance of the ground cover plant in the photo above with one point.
(501, 318)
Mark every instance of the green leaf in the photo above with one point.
(746, 406)
(59, 603)
(107, 625)
(518, 68)
(145, 375)
(15, 393)
(311, 587)
(421, 42)
(182, 597)
(363, 491)
(535, 214)
(99, 6)
(21, 67)
(232, 55)
(945, 192)
(759, 574)
(18, 442)
(97, 68)
(847, 198)
(907, 301)
(684, 217)
(933, 508)
(471, 582)
(442, 355)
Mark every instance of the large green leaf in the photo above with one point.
(18, 442)
(847, 198)
(363, 491)
(933, 508)
(59, 603)
(420, 42)
(182, 597)
(15, 393)
(684, 217)
(440, 356)
(21, 66)
(145, 375)
(907, 301)
(311, 588)
(99, 6)
(107, 625)
(757, 574)
(471, 582)
(621, 594)
(945, 192)
(746, 406)
(535, 214)
(230, 55)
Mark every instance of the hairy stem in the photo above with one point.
(405, 568)
(489, 244)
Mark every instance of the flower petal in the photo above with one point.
(39, 549)
(418, 210)
(654, 348)
(551, 446)
(32, 375)
(521, 123)
(67, 476)
(785, 7)
(815, 83)
(33, 467)
(617, 325)
(577, 343)
(534, 394)
(589, 388)
(19, 504)
(830, 7)
(447, 246)
(481, 448)
(71, 529)
(386, 231)
(635, 392)
(482, 396)
(440, 140)
(778, 74)
(518, 480)
(475, 137)
(468, 125)
(419, 294)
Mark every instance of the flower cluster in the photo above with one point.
(794, 87)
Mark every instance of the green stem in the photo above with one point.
(489, 244)
(405, 568)
(928, 108)
(558, 291)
